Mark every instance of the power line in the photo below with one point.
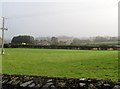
(3, 28)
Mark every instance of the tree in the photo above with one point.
(54, 41)
(100, 39)
(77, 41)
(23, 39)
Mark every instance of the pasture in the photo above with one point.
(61, 63)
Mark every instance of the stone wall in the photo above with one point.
(42, 82)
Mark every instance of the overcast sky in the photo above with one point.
(78, 18)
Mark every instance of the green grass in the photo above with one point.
(61, 63)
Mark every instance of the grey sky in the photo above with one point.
(81, 18)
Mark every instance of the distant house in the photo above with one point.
(65, 40)
(43, 43)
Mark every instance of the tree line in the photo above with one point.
(98, 43)
(26, 39)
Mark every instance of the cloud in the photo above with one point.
(54, 18)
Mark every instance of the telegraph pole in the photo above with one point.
(3, 28)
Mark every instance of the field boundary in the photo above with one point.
(43, 82)
(82, 47)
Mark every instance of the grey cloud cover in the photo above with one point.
(78, 19)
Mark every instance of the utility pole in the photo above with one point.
(3, 28)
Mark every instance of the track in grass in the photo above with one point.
(61, 63)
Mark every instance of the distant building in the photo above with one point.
(43, 43)
(65, 40)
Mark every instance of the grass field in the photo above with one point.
(61, 63)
